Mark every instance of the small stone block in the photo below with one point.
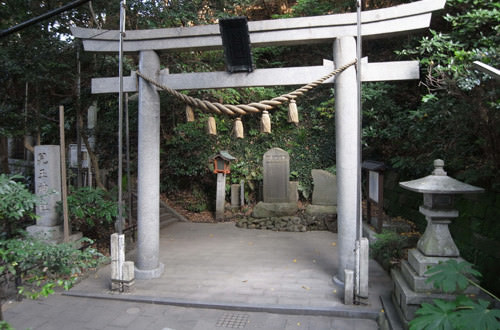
(348, 287)
(128, 271)
(363, 267)
(293, 191)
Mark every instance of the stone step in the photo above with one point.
(391, 314)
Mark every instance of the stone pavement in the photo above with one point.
(59, 312)
(214, 273)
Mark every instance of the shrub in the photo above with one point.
(44, 265)
(16, 203)
(91, 211)
(388, 249)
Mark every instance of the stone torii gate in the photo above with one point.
(339, 29)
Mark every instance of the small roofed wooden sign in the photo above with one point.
(222, 161)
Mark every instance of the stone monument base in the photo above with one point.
(315, 210)
(268, 210)
(52, 234)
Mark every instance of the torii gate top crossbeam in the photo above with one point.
(288, 31)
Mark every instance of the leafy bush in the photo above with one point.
(45, 265)
(91, 211)
(461, 313)
(16, 202)
(388, 249)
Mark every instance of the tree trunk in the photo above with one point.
(4, 154)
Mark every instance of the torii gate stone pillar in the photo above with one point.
(147, 265)
(339, 29)
(347, 155)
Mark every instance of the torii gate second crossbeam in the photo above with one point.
(339, 29)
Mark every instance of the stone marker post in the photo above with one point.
(235, 195)
(220, 196)
(48, 189)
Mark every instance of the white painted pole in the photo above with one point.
(148, 176)
(347, 150)
(120, 117)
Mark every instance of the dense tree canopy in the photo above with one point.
(453, 114)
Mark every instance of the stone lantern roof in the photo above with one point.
(440, 183)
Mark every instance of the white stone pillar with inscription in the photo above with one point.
(48, 189)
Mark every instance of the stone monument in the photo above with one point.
(48, 188)
(324, 198)
(279, 200)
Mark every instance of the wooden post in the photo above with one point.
(64, 192)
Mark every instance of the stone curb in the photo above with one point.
(346, 312)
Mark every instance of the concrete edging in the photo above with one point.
(371, 314)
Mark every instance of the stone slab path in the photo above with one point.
(219, 269)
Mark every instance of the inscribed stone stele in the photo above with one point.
(276, 175)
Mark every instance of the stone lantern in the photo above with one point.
(436, 245)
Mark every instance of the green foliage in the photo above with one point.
(200, 202)
(44, 265)
(458, 118)
(91, 211)
(451, 275)
(388, 249)
(461, 313)
(5, 326)
(16, 202)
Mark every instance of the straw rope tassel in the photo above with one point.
(265, 122)
(189, 113)
(293, 113)
(211, 126)
(238, 129)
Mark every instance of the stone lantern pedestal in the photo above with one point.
(435, 246)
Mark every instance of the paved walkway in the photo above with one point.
(215, 273)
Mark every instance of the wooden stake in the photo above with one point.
(64, 192)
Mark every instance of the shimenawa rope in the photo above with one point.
(243, 109)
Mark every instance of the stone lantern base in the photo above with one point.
(410, 287)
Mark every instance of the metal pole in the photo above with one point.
(120, 115)
(78, 115)
(127, 142)
(64, 192)
(358, 181)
